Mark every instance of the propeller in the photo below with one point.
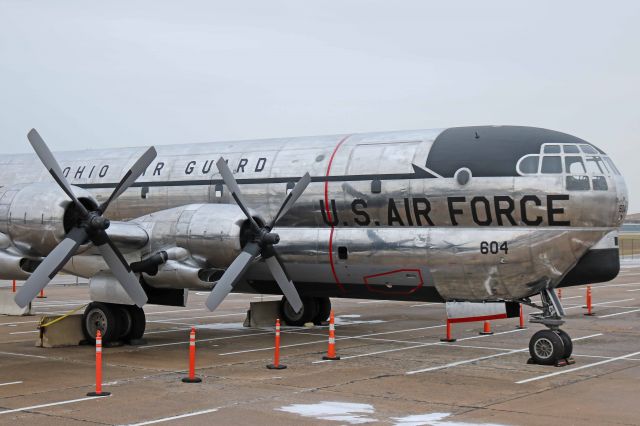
(90, 227)
(262, 244)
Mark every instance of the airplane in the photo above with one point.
(480, 216)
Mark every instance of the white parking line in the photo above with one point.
(426, 304)
(572, 297)
(19, 322)
(203, 340)
(635, 289)
(595, 287)
(25, 355)
(468, 361)
(171, 320)
(52, 404)
(619, 313)
(337, 338)
(173, 311)
(25, 332)
(582, 367)
(11, 383)
(181, 416)
(604, 357)
(416, 346)
(601, 303)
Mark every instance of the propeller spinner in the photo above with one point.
(90, 228)
(261, 244)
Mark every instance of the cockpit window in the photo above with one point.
(574, 165)
(588, 149)
(571, 149)
(612, 166)
(552, 149)
(596, 166)
(551, 164)
(600, 183)
(529, 164)
(578, 183)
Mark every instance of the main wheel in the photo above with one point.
(324, 310)
(100, 316)
(546, 347)
(307, 314)
(568, 344)
(125, 322)
(138, 323)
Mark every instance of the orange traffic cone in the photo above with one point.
(192, 359)
(331, 351)
(276, 354)
(590, 312)
(487, 329)
(521, 326)
(99, 391)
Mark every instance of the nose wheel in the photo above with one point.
(550, 347)
(553, 346)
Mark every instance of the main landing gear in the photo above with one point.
(124, 323)
(314, 309)
(552, 346)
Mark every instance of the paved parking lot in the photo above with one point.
(394, 369)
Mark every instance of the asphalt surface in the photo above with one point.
(394, 369)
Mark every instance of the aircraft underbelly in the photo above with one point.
(459, 263)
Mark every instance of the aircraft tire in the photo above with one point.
(100, 316)
(324, 310)
(308, 313)
(125, 322)
(546, 347)
(138, 322)
(568, 343)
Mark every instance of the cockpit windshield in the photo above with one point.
(583, 166)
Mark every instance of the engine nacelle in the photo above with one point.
(175, 274)
(14, 267)
(37, 216)
(212, 233)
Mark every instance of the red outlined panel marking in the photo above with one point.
(410, 290)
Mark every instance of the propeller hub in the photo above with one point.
(269, 238)
(98, 222)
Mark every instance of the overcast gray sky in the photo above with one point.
(124, 73)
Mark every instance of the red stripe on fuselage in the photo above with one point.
(478, 318)
(329, 211)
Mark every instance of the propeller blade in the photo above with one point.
(121, 270)
(131, 176)
(231, 276)
(49, 161)
(292, 197)
(286, 285)
(50, 266)
(232, 185)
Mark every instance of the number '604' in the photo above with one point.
(494, 247)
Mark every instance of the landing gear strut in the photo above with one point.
(552, 346)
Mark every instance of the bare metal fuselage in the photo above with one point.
(386, 215)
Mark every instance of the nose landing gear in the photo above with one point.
(552, 346)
